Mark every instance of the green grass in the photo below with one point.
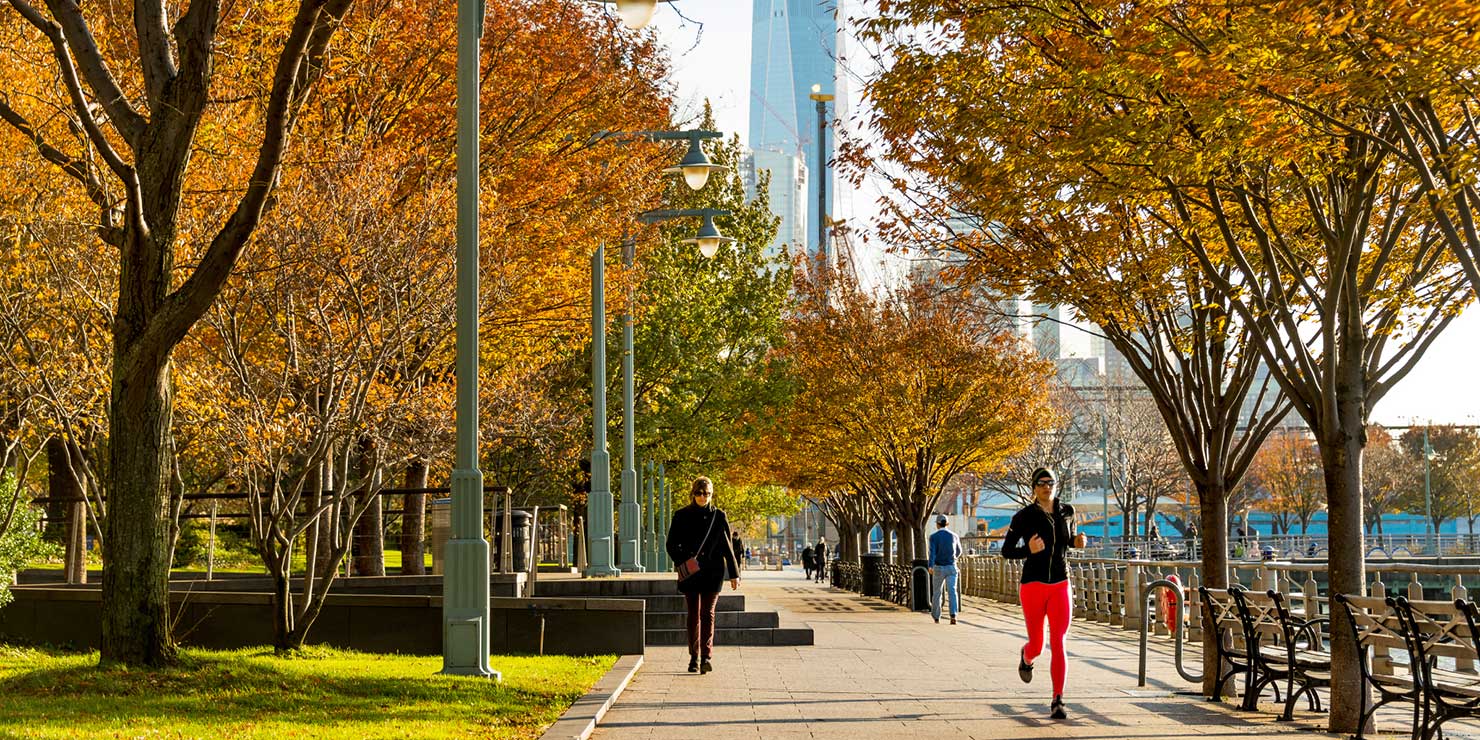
(253, 694)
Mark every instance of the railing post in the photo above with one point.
(1463, 665)
(1132, 595)
(1312, 592)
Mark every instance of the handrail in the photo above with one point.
(1176, 590)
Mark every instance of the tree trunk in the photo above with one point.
(136, 535)
(59, 486)
(67, 512)
(1341, 457)
(76, 557)
(888, 541)
(413, 543)
(1213, 523)
(906, 532)
(369, 531)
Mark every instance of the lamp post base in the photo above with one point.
(465, 611)
(630, 558)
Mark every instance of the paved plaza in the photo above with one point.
(877, 670)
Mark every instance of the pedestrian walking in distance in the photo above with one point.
(699, 543)
(819, 557)
(945, 547)
(738, 549)
(808, 562)
(1041, 534)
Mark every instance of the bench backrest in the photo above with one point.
(1435, 629)
(1374, 622)
(1259, 613)
(1221, 613)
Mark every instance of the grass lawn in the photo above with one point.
(253, 694)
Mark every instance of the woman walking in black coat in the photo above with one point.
(700, 530)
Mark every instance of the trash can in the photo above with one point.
(920, 585)
(873, 581)
(441, 532)
(520, 526)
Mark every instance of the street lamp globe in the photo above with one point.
(635, 14)
(709, 239)
(695, 166)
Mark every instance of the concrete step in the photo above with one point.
(727, 603)
(759, 636)
(609, 588)
(723, 620)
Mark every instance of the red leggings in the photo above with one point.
(1051, 600)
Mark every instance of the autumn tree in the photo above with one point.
(1388, 475)
(899, 394)
(1288, 470)
(1450, 491)
(141, 83)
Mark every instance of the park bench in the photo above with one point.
(1283, 646)
(1435, 631)
(895, 583)
(1221, 614)
(1377, 633)
(847, 575)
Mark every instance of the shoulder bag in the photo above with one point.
(689, 567)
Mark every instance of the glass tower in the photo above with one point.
(793, 46)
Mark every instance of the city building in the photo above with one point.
(793, 47)
(787, 192)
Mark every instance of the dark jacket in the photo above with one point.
(820, 554)
(1057, 532)
(716, 561)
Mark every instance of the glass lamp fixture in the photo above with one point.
(709, 239)
(695, 166)
(635, 14)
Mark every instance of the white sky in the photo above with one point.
(711, 59)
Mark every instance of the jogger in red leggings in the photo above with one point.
(1041, 535)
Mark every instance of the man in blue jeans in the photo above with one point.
(945, 547)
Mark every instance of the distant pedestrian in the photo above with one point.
(701, 532)
(819, 555)
(807, 561)
(738, 549)
(1041, 534)
(945, 547)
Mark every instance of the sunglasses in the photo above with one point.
(1043, 482)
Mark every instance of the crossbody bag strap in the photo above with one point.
(706, 534)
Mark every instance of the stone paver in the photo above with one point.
(877, 670)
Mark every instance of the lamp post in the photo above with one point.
(1428, 505)
(607, 559)
(465, 607)
(465, 616)
(822, 100)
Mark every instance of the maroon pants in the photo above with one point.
(701, 623)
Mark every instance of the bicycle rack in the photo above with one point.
(1180, 614)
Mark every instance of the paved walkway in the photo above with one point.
(878, 671)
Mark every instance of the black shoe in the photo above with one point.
(693, 665)
(953, 621)
(937, 620)
(1058, 708)
(1025, 669)
(706, 666)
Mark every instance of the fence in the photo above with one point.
(1104, 588)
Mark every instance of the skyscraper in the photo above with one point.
(793, 46)
(788, 194)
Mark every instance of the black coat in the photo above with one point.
(716, 561)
